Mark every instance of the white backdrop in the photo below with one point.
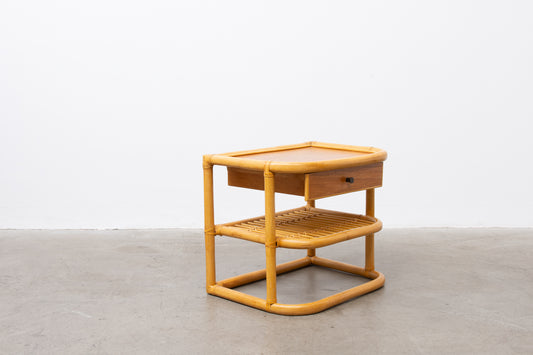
(107, 106)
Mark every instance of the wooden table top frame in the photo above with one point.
(313, 170)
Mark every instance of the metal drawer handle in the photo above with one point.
(350, 180)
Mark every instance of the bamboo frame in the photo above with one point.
(346, 226)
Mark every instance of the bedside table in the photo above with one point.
(312, 170)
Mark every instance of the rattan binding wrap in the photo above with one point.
(305, 227)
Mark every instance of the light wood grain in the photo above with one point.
(284, 183)
(299, 158)
(314, 185)
(333, 182)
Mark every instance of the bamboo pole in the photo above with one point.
(337, 265)
(310, 204)
(240, 297)
(253, 276)
(209, 224)
(270, 236)
(369, 239)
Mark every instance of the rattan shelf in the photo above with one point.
(304, 228)
(313, 170)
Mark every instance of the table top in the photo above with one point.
(300, 158)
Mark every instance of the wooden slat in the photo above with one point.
(304, 227)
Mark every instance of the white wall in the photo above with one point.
(106, 107)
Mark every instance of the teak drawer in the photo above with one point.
(313, 185)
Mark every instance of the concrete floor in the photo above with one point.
(448, 291)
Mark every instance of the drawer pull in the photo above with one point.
(350, 180)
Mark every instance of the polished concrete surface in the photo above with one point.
(447, 291)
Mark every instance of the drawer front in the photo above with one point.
(314, 185)
(285, 183)
(336, 182)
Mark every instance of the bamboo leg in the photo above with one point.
(209, 225)
(369, 239)
(311, 252)
(270, 238)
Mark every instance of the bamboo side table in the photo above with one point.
(312, 170)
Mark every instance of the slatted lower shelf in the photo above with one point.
(304, 228)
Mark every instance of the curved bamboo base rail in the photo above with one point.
(224, 288)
